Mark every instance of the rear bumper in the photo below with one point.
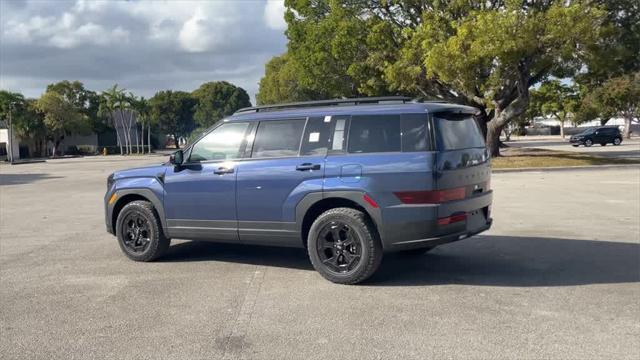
(413, 226)
(439, 240)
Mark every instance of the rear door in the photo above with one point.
(462, 170)
(285, 164)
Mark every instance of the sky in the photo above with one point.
(143, 46)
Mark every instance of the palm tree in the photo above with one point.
(108, 106)
(141, 107)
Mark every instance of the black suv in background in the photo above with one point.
(598, 135)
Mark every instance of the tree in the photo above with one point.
(61, 118)
(281, 83)
(86, 101)
(116, 106)
(173, 112)
(557, 99)
(143, 112)
(216, 100)
(617, 97)
(485, 54)
(27, 122)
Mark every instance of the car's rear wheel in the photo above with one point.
(617, 141)
(344, 246)
(588, 143)
(139, 232)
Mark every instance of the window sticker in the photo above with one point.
(327, 118)
(314, 137)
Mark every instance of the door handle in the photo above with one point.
(308, 166)
(223, 170)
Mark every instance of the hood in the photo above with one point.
(145, 171)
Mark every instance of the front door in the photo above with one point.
(286, 163)
(199, 196)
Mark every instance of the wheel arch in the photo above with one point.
(129, 195)
(314, 204)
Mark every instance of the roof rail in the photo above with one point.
(304, 104)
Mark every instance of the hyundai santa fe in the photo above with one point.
(348, 180)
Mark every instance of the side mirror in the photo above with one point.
(176, 158)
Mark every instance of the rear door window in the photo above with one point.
(456, 132)
(374, 133)
(415, 133)
(316, 136)
(279, 138)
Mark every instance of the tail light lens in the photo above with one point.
(431, 196)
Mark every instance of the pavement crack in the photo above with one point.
(234, 339)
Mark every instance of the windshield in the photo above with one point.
(456, 134)
(588, 131)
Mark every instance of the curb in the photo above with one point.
(569, 168)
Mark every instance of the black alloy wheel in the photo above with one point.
(339, 247)
(136, 232)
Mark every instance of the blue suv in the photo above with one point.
(346, 179)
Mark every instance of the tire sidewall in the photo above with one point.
(363, 238)
(144, 209)
(617, 141)
(588, 143)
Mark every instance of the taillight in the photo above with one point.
(452, 219)
(431, 196)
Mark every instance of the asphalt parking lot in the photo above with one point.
(557, 277)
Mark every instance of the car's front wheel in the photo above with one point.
(139, 232)
(344, 246)
(588, 143)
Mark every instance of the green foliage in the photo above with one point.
(556, 99)
(485, 54)
(173, 112)
(85, 101)
(61, 116)
(281, 83)
(616, 97)
(216, 100)
(26, 120)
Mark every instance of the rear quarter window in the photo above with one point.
(458, 132)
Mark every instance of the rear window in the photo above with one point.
(455, 133)
(374, 133)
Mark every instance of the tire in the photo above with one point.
(344, 246)
(588, 143)
(140, 233)
(617, 141)
(603, 144)
(417, 252)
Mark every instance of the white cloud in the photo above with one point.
(142, 45)
(274, 14)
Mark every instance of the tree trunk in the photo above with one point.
(137, 140)
(142, 137)
(562, 129)
(177, 142)
(494, 129)
(627, 127)
(149, 136)
(115, 123)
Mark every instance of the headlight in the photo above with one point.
(110, 181)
